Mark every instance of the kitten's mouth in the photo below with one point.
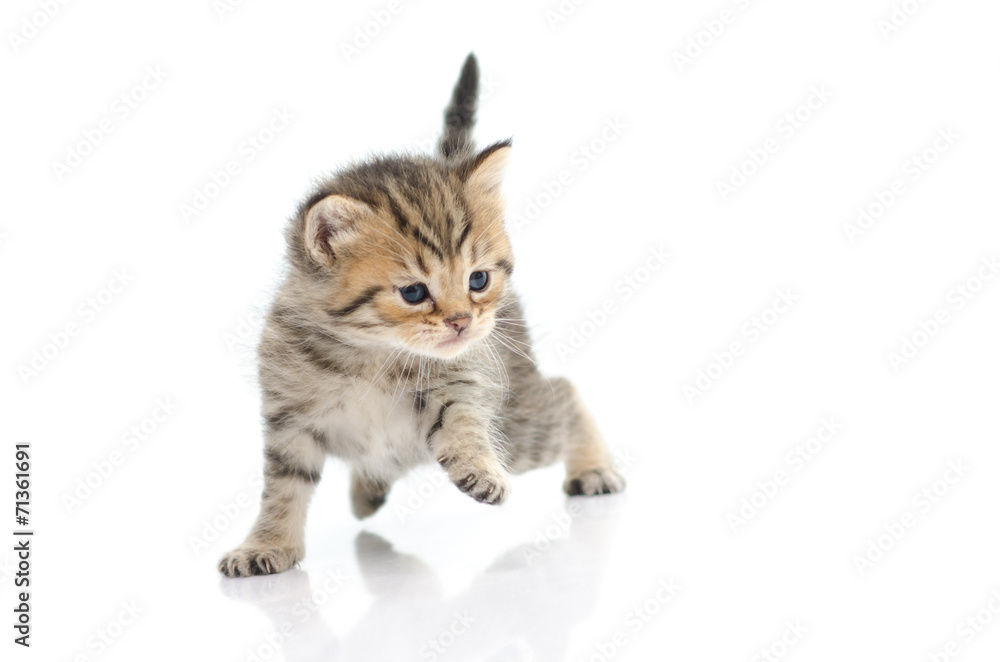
(451, 347)
(453, 341)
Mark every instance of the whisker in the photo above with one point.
(385, 367)
(500, 338)
(503, 340)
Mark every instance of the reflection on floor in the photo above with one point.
(523, 607)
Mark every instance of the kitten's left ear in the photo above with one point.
(485, 170)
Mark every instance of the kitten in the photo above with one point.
(395, 340)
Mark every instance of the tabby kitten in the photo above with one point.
(395, 339)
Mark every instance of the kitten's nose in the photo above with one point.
(460, 322)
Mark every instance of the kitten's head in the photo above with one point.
(408, 253)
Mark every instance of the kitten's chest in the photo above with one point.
(367, 423)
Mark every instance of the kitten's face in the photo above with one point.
(441, 311)
(422, 265)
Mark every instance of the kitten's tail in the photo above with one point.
(460, 116)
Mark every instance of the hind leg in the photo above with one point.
(590, 468)
(547, 421)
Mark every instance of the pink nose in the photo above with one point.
(459, 322)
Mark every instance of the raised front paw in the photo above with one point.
(246, 561)
(483, 481)
(594, 481)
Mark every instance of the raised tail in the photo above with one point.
(460, 116)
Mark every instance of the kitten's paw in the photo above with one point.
(594, 481)
(483, 483)
(248, 561)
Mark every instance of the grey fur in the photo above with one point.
(337, 381)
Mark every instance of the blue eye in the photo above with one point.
(478, 280)
(414, 293)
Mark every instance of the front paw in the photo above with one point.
(483, 481)
(246, 561)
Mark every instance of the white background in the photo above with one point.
(543, 577)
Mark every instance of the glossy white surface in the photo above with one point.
(543, 577)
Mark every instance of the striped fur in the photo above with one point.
(349, 368)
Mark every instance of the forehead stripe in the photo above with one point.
(422, 238)
(464, 236)
(398, 214)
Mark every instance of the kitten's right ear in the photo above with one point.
(330, 224)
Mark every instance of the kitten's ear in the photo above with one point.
(485, 170)
(331, 223)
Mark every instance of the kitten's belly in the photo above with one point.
(373, 428)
